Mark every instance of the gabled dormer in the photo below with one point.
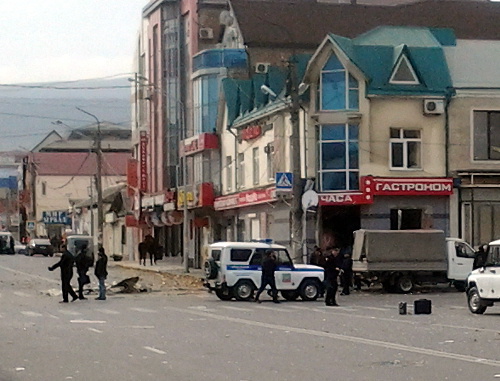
(403, 72)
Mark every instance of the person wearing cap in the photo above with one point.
(333, 265)
(267, 278)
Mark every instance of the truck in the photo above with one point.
(402, 259)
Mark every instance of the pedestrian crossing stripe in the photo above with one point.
(284, 180)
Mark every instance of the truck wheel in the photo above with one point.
(224, 293)
(474, 302)
(210, 268)
(405, 284)
(290, 295)
(244, 290)
(309, 290)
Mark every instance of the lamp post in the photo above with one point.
(98, 177)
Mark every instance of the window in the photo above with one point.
(205, 102)
(403, 73)
(339, 166)
(338, 89)
(464, 251)
(255, 159)
(269, 150)
(229, 172)
(240, 178)
(240, 255)
(216, 255)
(486, 135)
(405, 148)
(44, 188)
(406, 219)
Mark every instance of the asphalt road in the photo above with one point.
(158, 336)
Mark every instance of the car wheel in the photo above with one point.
(210, 268)
(290, 295)
(244, 290)
(405, 284)
(309, 290)
(475, 302)
(224, 293)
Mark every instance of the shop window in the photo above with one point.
(254, 228)
(405, 149)
(338, 89)
(256, 170)
(339, 151)
(406, 219)
(486, 135)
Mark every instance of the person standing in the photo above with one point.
(82, 266)
(101, 272)
(66, 266)
(316, 256)
(332, 270)
(267, 278)
(346, 275)
(480, 257)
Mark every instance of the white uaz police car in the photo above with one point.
(233, 270)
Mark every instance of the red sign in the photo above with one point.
(143, 152)
(199, 143)
(131, 221)
(132, 178)
(250, 132)
(345, 198)
(252, 197)
(387, 186)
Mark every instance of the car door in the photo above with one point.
(285, 272)
(489, 281)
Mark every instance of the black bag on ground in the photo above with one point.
(422, 306)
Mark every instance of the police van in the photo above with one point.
(233, 270)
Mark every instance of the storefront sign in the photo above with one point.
(250, 132)
(202, 195)
(199, 143)
(55, 218)
(252, 197)
(383, 186)
(143, 152)
(347, 198)
(132, 177)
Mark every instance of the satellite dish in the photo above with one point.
(309, 199)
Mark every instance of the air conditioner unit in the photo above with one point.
(206, 33)
(433, 106)
(262, 67)
(268, 148)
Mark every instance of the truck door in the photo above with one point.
(460, 260)
(284, 273)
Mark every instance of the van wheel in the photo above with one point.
(210, 268)
(290, 295)
(224, 293)
(244, 290)
(405, 284)
(309, 290)
(475, 302)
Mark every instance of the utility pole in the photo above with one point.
(295, 205)
(98, 177)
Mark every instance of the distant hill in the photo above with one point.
(27, 113)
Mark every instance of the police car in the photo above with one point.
(483, 284)
(233, 270)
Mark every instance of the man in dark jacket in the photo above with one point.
(267, 278)
(101, 272)
(333, 264)
(82, 266)
(66, 266)
(346, 276)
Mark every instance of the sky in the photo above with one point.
(61, 40)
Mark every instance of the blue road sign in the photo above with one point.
(284, 180)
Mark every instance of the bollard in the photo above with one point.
(402, 308)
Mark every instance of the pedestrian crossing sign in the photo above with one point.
(284, 181)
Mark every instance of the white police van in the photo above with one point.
(483, 284)
(233, 270)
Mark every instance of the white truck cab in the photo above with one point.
(233, 269)
(483, 284)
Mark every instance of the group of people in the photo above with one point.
(336, 265)
(83, 263)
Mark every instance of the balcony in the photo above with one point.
(217, 58)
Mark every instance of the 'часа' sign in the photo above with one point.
(383, 186)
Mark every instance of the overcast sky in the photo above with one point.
(59, 40)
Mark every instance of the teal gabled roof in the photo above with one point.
(377, 52)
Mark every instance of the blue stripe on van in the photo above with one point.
(259, 268)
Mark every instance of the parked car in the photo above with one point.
(40, 246)
(19, 248)
(6, 243)
(483, 284)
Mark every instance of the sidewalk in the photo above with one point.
(171, 265)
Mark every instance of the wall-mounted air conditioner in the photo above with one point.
(262, 67)
(433, 106)
(206, 33)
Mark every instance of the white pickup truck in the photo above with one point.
(400, 259)
(233, 270)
